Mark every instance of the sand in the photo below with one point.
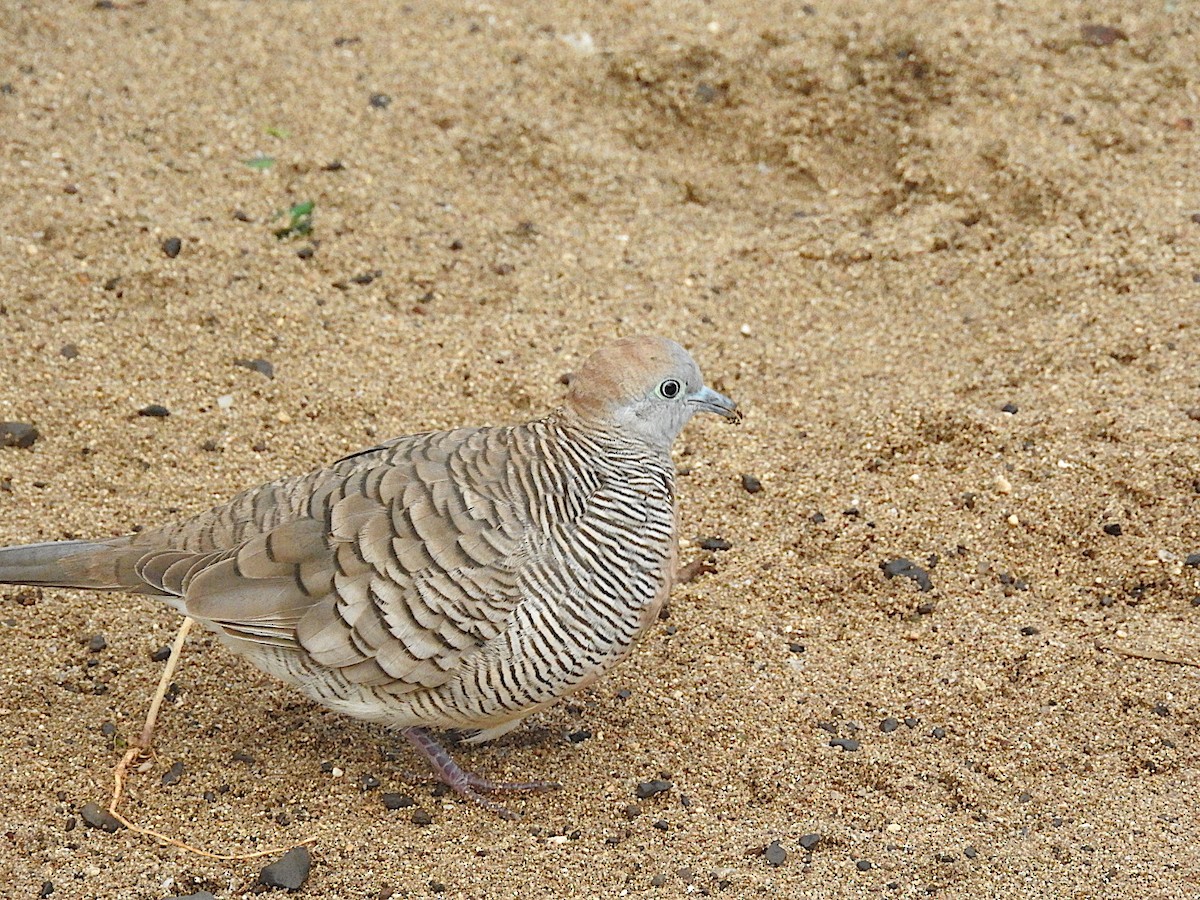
(875, 225)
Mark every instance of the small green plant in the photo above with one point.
(299, 223)
(277, 132)
(260, 162)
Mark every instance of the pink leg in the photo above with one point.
(464, 783)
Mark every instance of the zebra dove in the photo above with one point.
(453, 580)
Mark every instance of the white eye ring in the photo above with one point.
(669, 389)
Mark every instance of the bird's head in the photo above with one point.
(644, 387)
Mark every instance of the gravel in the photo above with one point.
(646, 789)
(774, 854)
(906, 568)
(18, 434)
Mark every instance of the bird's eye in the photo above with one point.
(669, 389)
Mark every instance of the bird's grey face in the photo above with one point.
(648, 388)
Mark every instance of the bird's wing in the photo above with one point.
(408, 562)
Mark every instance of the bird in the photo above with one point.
(446, 580)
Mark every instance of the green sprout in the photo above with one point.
(299, 220)
(260, 162)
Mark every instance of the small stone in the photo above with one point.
(1024, 797)
(658, 880)
(848, 744)
(1029, 630)
(1107, 601)
(817, 518)
(422, 818)
(662, 824)
(437, 887)
(809, 841)
(1193, 560)
(154, 411)
(18, 434)
(1160, 710)
(368, 783)
(1113, 529)
(888, 725)
(794, 647)
(306, 252)
(290, 871)
(911, 721)
(47, 889)
(906, 568)
(1010, 408)
(970, 852)
(243, 757)
(96, 643)
(716, 543)
(380, 101)
(261, 366)
(397, 801)
(864, 865)
(162, 654)
(925, 609)
(108, 729)
(172, 246)
(938, 733)
(68, 351)
(201, 895)
(623, 694)
(646, 789)
(632, 811)
(95, 817)
(947, 858)
(173, 774)
(366, 277)
(577, 737)
(1101, 35)
(750, 484)
(774, 854)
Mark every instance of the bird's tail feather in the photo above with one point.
(96, 565)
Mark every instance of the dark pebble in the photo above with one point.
(261, 366)
(970, 852)
(632, 811)
(333, 166)
(368, 783)
(864, 865)
(1029, 630)
(68, 351)
(911, 722)
(938, 733)
(888, 725)
(1160, 710)
(1113, 529)
(243, 757)
(380, 101)
(96, 643)
(173, 774)
(456, 245)
(437, 887)
(306, 252)
(366, 277)
(906, 568)
(162, 654)
(794, 647)
(1101, 35)
(1010, 408)
(751, 484)
(716, 543)
(1193, 559)
(662, 825)
(848, 744)
(108, 729)
(623, 694)
(947, 858)
(290, 871)
(577, 737)
(47, 889)
(817, 518)
(422, 818)
(925, 609)
(95, 817)
(831, 727)
(172, 246)
(154, 411)
(809, 841)
(659, 880)
(201, 895)
(775, 855)
(397, 801)
(18, 434)
(1024, 797)
(647, 789)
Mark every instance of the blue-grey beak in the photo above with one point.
(708, 400)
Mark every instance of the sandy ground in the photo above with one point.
(876, 226)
